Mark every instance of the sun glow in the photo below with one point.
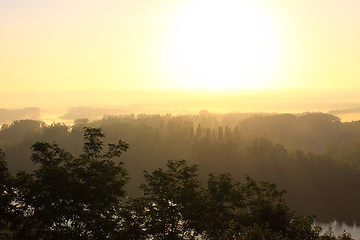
(222, 45)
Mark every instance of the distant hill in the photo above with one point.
(348, 110)
(10, 115)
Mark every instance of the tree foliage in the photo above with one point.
(265, 146)
(73, 197)
(179, 207)
(83, 197)
(6, 197)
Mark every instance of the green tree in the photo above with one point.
(251, 210)
(177, 206)
(73, 198)
(329, 235)
(173, 199)
(6, 197)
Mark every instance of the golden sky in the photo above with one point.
(179, 44)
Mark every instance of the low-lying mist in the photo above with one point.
(67, 106)
(313, 156)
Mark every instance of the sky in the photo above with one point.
(48, 45)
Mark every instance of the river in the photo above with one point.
(339, 228)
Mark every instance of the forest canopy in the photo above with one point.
(83, 197)
(313, 156)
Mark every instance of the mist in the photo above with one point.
(67, 106)
(156, 120)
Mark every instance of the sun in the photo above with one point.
(228, 44)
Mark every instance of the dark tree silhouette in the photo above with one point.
(73, 198)
(177, 206)
(82, 197)
(7, 195)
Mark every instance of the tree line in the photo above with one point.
(83, 197)
(324, 183)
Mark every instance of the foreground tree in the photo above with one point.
(82, 197)
(176, 206)
(174, 202)
(7, 195)
(69, 197)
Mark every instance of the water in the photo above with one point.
(338, 228)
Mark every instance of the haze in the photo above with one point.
(172, 45)
(268, 88)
